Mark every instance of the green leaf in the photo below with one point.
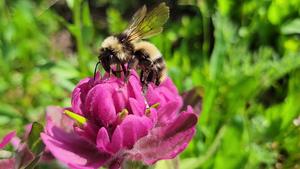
(291, 27)
(87, 25)
(86, 17)
(8, 111)
(34, 141)
(70, 3)
(115, 22)
(65, 70)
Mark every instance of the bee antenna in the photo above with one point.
(96, 69)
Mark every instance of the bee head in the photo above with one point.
(106, 58)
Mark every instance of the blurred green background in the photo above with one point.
(240, 56)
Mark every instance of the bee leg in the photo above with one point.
(145, 87)
(114, 73)
(156, 78)
(107, 69)
(151, 77)
(117, 71)
(131, 64)
(157, 81)
(125, 71)
(141, 76)
(144, 75)
(144, 80)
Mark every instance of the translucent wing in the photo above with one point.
(145, 25)
(137, 18)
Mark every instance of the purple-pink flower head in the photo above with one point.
(117, 123)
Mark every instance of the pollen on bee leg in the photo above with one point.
(80, 120)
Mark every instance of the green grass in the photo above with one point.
(242, 58)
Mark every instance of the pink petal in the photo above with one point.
(7, 163)
(71, 149)
(79, 94)
(166, 95)
(15, 141)
(152, 96)
(153, 115)
(102, 139)
(116, 141)
(168, 112)
(7, 139)
(163, 93)
(165, 142)
(27, 131)
(120, 98)
(100, 103)
(88, 131)
(169, 85)
(136, 107)
(184, 121)
(135, 90)
(57, 116)
(129, 131)
(133, 128)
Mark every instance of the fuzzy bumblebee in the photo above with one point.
(128, 50)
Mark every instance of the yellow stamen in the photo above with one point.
(78, 118)
(123, 114)
(155, 105)
(147, 112)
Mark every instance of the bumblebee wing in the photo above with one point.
(137, 18)
(146, 25)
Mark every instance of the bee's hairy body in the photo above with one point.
(129, 47)
(117, 49)
(151, 63)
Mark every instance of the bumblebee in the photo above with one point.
(127, 50)
(151, 63)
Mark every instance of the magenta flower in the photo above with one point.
(116, 123)
(22, 155)
(6, 139)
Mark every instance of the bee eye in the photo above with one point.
(108, 53)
